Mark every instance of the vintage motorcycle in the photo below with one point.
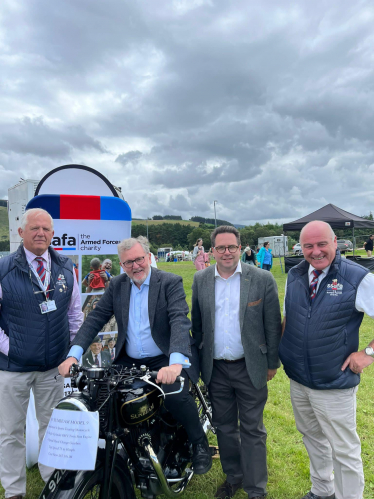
(144, 446)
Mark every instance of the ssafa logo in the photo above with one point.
(334, 288)
(64, 242)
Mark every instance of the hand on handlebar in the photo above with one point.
(169, 374)
(64, 368)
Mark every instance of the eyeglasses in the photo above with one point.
(221, 249)
(130, 263)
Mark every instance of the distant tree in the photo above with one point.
(4, 245)
(172, 217)
(210, 221)
(157, 217)
(196, 234)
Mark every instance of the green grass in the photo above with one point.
(288, 462)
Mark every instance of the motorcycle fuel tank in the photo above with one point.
(137, 402)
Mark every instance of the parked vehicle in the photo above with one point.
(297, 249)
(180, 255)
(144, 446)
(344, 245)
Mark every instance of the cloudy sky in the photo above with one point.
(267, 107)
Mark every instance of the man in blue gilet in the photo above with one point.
(326, 298)
(40, 313)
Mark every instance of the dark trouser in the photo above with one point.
(242, 448)
(181, 405)
(266, 266)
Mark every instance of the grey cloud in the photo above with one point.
(267, 107)
(34, 136)
(129, 157)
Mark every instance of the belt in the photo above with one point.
(230, 361)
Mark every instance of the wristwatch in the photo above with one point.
(369, 351)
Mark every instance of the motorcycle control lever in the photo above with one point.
(153, 375)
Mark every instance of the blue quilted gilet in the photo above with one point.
(37, 342)
(321, 333)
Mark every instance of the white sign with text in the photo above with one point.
(71, 439)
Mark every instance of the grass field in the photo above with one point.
(287, 459)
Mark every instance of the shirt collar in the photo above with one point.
(146, 282)
(238, 270)
(324, 271)
(30, 257)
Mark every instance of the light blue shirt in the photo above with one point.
(267, 257)
(139, 341)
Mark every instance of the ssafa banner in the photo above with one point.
(87, 229)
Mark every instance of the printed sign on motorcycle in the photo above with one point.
(70, 441)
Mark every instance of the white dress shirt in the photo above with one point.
(227, 336)
(364, 296)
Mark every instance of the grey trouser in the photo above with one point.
(242, 448)
(14, 397)
(327, 421)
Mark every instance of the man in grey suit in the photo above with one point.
(236, 323)
(153, 329)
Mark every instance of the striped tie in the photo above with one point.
(313, 284)
(97, 361)
(112, 354)
(40, 269)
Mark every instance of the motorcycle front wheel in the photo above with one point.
(87, 485)
(92, 486)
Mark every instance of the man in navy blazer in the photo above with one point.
(153, 329)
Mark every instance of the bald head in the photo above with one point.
(318, 243)
(319, 226)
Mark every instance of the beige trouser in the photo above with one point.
(368, 252)
(14, 400)
(327, 421)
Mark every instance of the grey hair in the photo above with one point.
(107, 260)
(127, 244)
(322, 222)
(33, 211)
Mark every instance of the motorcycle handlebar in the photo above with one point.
(76, 368)
(154, 374)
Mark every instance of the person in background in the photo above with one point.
(249, 257)
(112, 348)
(369, 245)
(325, 301)
(107, 266)
(96, 356)
(198, 255)
(264, 257)
(97, 279)
(40, 314)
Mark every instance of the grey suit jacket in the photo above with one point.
(167, 310)
(259, 316)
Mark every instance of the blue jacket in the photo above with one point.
(320, 334)
(261, 256)
(37, 342)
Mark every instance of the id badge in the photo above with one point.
(47, 306)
